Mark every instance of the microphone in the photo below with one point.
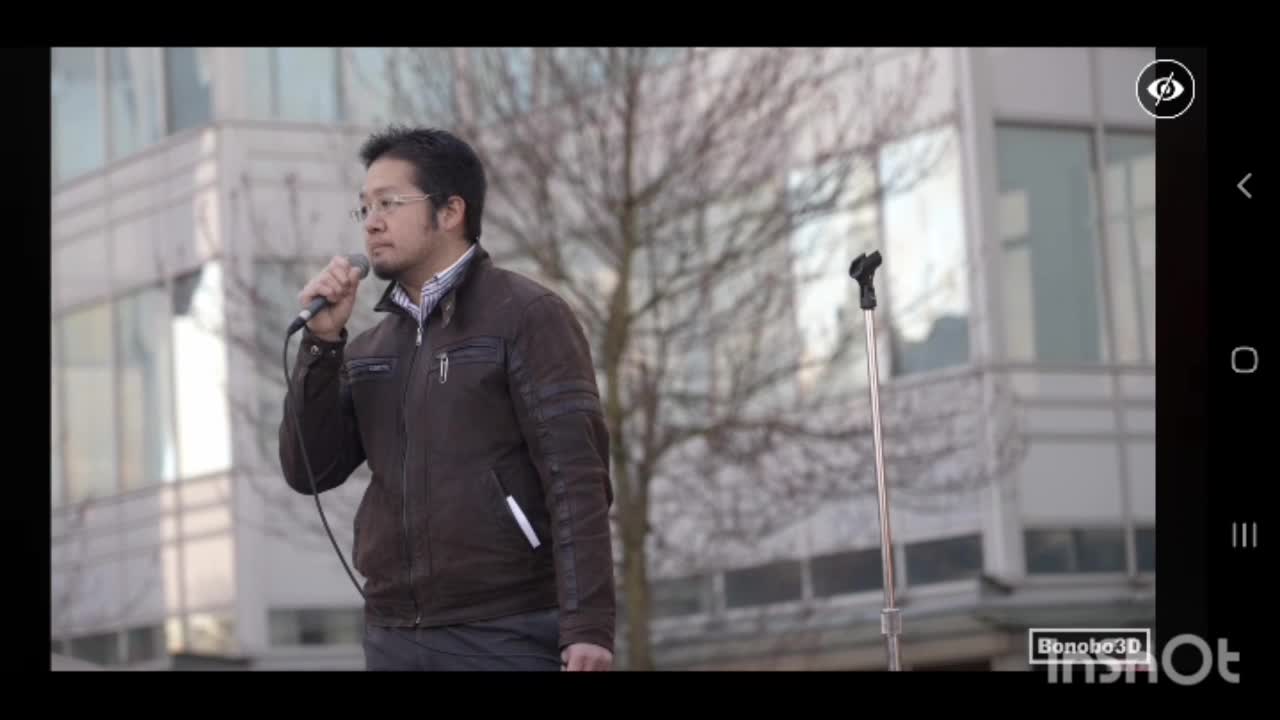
(359, 262)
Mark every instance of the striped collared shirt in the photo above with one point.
(433, 289)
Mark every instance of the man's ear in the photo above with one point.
(454, 214)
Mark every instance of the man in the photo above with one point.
(484, 533)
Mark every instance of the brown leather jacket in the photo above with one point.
(495, 404)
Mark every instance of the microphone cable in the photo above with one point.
(306, 462)
(315, 493)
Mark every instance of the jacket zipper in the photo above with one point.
(404, 477)
(365, 369)
(465, 354)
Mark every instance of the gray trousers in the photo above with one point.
(525, 642)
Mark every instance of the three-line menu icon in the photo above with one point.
(1244, 535)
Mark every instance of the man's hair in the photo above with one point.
(443, 165)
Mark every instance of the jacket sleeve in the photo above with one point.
(557, 402)
(320, 396)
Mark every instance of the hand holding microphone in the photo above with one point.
(330, 297)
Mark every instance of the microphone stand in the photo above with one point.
(863, 270)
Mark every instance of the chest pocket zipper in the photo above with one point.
(370, 368)
(480, 350)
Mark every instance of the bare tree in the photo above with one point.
(668, 194)
(262, 285)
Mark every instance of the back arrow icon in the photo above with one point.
(1241, 185)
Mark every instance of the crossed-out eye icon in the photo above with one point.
(1165, 89)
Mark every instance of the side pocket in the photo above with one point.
(515, 512)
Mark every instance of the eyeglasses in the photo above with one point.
(384, 205)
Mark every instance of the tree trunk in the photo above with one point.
(636, 587)
(633, 518)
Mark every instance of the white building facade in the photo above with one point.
(188, 180)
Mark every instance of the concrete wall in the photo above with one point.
(151, 215)
(1057, 85)
(143, 558)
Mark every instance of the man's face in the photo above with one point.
(398, 236)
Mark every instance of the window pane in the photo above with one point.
(681, 596)
(925, 253)
(1125, 293)
(941, 560)
(200, 371)
(1146, 546)
(1019, 319)
(189, 87)
(847, 572)
(103, 648)
(144, 643)
(366, 78)
(175, 633)
(1049, 551)
(1131, 172)
(342, 627)
(135, 119)
(387, 84)
(827, 303)
(1072, 551)
(57, 440)
(90, 459)
(763, 584)
(296, 84)
(79, 144)
(1100, 550)
(260, 78)
(148, 454)
(1130, 191)
(316, 626)
(1144, 233)
(284, 627)
(307, 84)
(311, 629)
(1047, 216)
(293, 83)
(211, 633)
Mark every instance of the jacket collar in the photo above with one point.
(449, 303)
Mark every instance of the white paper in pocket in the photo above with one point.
(523, 522)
